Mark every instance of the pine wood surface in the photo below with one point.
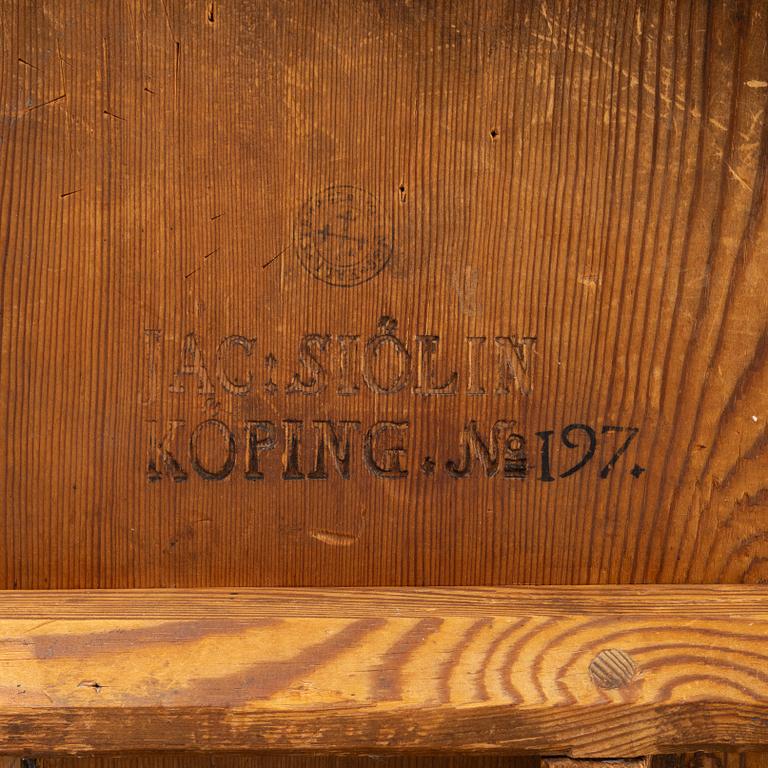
(282, 761)
(364, 674)
(386, 293)
(570, 762)
(690, 760)
(662, 601)
(217, 216)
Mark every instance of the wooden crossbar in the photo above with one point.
(580, 671)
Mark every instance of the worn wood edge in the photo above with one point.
(644, 761)
(610, 672)
(595, 732)
(674, 600)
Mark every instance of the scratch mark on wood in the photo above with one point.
(176, 74)
(333, 538)
(168, 19)
(275, 257)
(199, 266)
(46, 103)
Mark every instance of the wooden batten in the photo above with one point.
(580, 671)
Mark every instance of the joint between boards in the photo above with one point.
(608, 762)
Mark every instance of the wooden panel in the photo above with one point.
(693, 760)
(562, 203)
(615, 672)
(571, 762)
(289, 761)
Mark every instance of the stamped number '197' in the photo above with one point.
(588, 443)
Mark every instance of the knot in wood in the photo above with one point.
(612, 668)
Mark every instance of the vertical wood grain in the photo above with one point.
(590, 174)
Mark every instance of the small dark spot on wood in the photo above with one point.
(401, 189)
(428, 465)
(96, 687)
(112, 114)
(67, 194)
(210, 14)
(612, 668)
(494, 134)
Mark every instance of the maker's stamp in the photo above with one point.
(268, 417)
(344, 236)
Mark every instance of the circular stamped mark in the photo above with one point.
(344, 236)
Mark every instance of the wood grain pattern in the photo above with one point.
(666, 602)
(559, 211)
(290, 761)
(494, 675)
(591, 175)
(570, 762)
(691, 760)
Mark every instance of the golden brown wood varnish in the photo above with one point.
(290, 761)
(570, 762)
(693, 760)
(401, 670)
(589, 173)
(592, 174)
